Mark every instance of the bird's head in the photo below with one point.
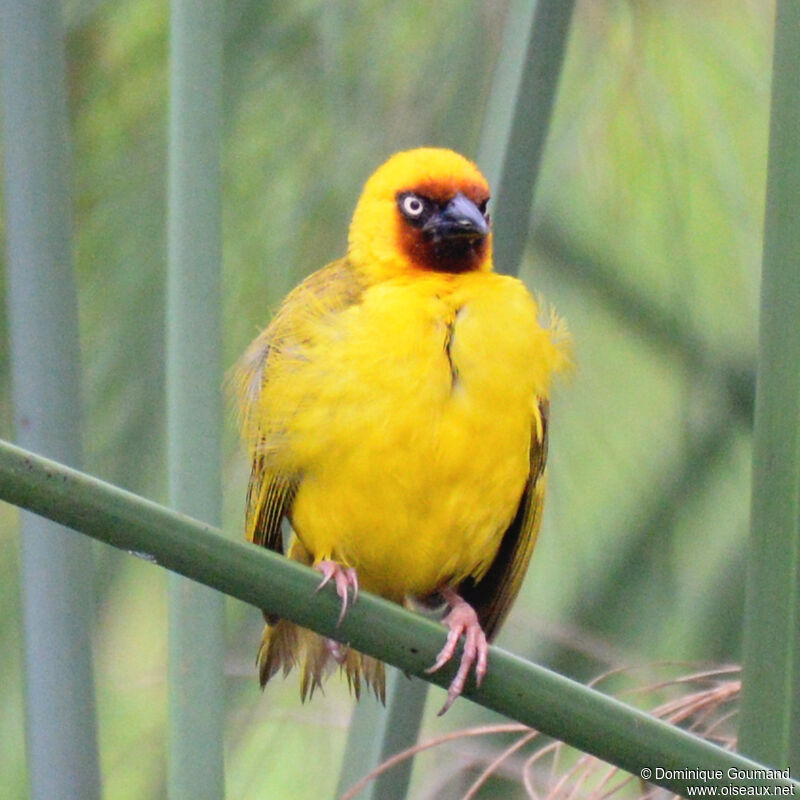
(423, 210)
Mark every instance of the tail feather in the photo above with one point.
(278, 649)
(285, 645)
(318, 663)
(373, 672)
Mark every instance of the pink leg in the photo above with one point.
(344, 578)
(462, 619)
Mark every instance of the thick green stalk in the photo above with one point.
(770, 720)
(376, 734)
(518, 150)
(194, 415)
(521, 690)
(368, 723)
(405, 704)
(43, 327)
(499, 113)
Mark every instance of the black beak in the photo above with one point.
(459, 219)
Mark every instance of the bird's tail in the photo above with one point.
(285, 645)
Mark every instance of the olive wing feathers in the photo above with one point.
(271, 492)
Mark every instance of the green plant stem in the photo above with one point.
(522, 691)
(770, 718)
(376, 734)
(368, 722)
(405, 703)
(519, 150)
(194, 414)
(56, 568)
(499, 114)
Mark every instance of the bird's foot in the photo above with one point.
(345, 579)
(462, 619)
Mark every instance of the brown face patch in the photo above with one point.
(444, 255)
(463, 255)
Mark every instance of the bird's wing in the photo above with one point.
(269, 499)
(271, 491)
(493, 594)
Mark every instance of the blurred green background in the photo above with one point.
(646, 237)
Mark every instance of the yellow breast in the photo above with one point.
(409, 418)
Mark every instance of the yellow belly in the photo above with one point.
(410, 424)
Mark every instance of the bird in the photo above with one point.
(396, 411)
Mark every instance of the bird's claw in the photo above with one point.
(462, 619)
(344, 578)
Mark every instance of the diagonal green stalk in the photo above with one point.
(572, 261)
(517, 152)
(508, 71)
(56, 577)
(770, 720)
(523, 691)
(194, 414)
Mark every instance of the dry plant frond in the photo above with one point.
(490, 770)
(702, 700)
(702, 704)
(480, 730)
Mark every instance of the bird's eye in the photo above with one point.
(482, 206)
(412, 206)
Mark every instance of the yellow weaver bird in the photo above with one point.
(395, 411)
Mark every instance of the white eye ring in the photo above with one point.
(412, 205)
